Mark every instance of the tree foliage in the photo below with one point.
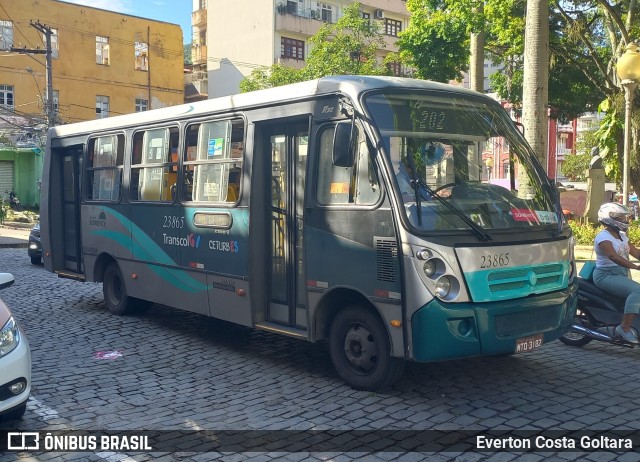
(436, 43)
(187, 54)
(274, 76)
(348, 46)
(575, 166)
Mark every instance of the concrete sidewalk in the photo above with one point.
(14, 234)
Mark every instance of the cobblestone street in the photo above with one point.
(172, 370)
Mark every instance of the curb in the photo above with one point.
(17, 227)
(17, 245)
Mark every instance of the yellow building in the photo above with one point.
(103, 63)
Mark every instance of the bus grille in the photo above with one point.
(534, 320)
(386, 259)
(541, 278)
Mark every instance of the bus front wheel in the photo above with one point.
(114, 290)
(360, 350)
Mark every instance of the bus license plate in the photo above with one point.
(529, 343)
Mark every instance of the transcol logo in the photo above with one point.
(192, 240)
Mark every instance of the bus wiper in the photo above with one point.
(477, 229)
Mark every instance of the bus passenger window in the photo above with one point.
(213, 162)
(190, 153)
(104, 167)
(154, 170)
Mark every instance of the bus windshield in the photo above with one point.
(460, 164)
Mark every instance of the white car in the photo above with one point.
(15, 362)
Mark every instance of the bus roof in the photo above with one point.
(351, 85)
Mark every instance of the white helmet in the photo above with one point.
(615, 215)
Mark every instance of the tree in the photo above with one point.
(436, 43)
(274, 76)
(575, 166)
(535, 84)
(187, 54)
(348, 46)
(476, 50)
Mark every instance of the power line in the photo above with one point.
(118, 39)
(114, 39)
(15, 24)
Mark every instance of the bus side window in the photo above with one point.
(136, 159)
(104, 167)
(153, 170)
(213, 165)
(190, 154)
(170, 176)
(357, 185)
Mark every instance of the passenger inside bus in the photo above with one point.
(233, 189)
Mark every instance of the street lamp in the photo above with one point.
(30, 71)
(628, 69)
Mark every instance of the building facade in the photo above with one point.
(102, 64)
(196, 80)
(276, 31)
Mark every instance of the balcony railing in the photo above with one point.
(199, 54)
(309, 13)
(199, 17)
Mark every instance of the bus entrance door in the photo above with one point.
(70, 159)
(287, 300)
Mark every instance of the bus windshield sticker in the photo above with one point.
(212, 220)
(215, 147)
(546, 216)
(339, 188)
(524, 215)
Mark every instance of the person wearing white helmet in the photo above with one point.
(612, 248)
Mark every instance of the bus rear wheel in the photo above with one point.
(360, 350)
(114, 291)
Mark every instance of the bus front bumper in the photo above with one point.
(443, 331)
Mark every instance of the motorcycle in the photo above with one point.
(14, 202)
(596, 318)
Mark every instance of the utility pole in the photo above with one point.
(48, 32)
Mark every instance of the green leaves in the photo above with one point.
(436, 43)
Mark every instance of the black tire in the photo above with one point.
(575, 338)
(16, 413)
(114, 290)
(36, 260)
(360, 350)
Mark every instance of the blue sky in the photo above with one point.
(173, 11)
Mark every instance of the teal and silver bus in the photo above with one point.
(351, 209)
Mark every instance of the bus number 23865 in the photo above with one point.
(494, 260)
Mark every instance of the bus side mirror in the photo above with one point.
(343, 142)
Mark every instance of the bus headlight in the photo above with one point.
(443, 287)
(429, 268)
(423, 254)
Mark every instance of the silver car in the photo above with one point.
(15, 361)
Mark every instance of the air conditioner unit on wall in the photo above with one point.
(378, 14)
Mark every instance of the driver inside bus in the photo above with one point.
(404, 177)
(425, 155)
